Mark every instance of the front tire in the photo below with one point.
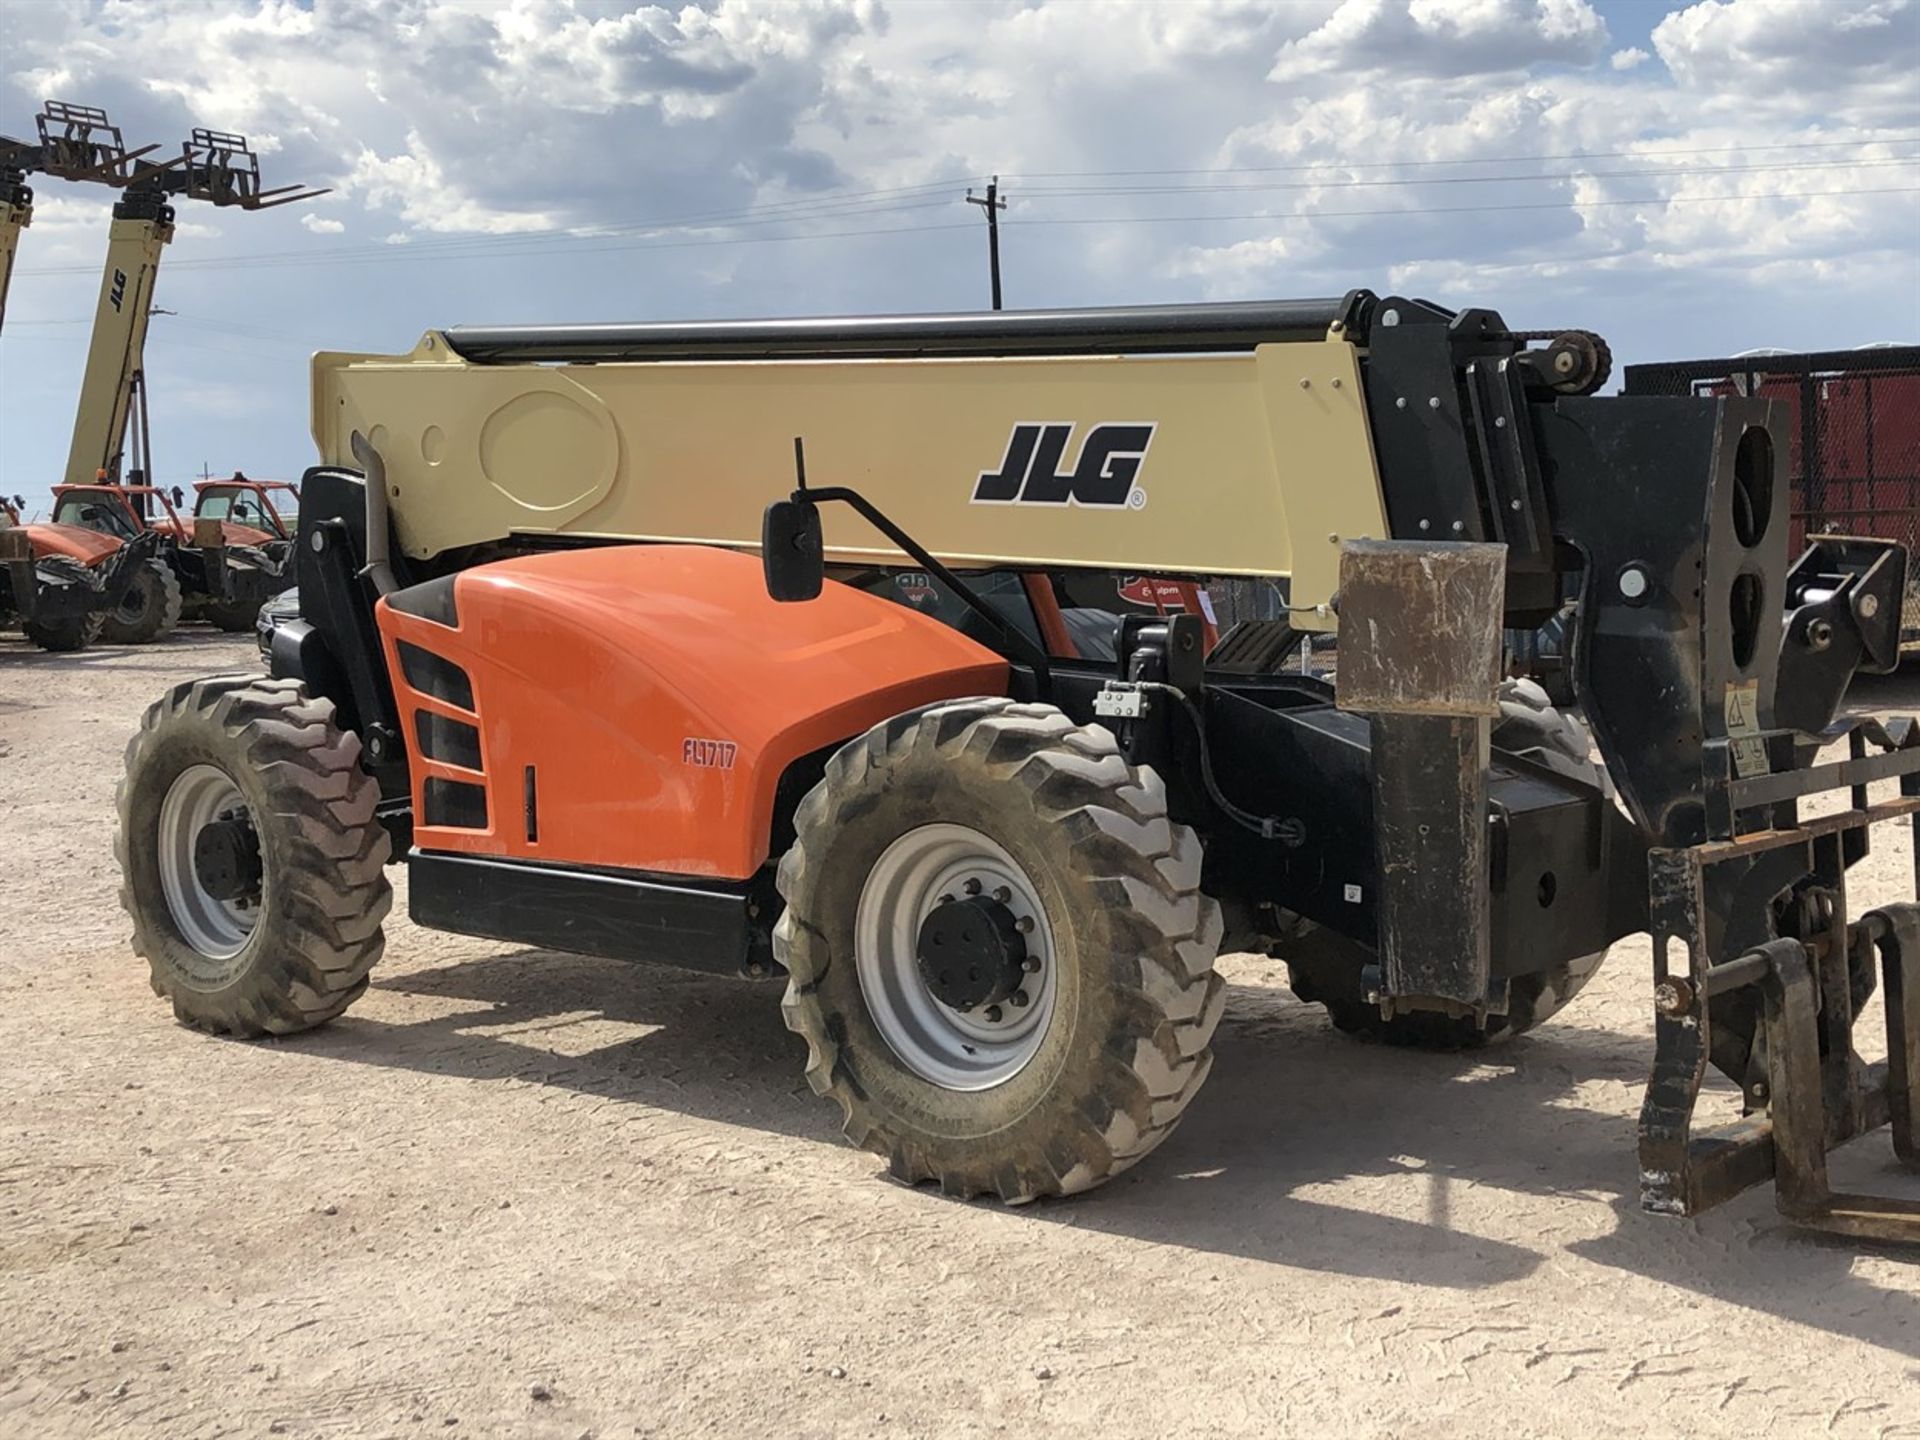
(1015, 809)
(76, 632)
(251, 860)
(150, 608)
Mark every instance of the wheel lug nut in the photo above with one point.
(1024, 924)
(1002, 894)
(972, 887)
(946, 899)
(1020, 999)
(993, 1014)
(1031, 965)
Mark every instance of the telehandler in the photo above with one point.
(62, 584)
(990, 834)
(216, 564)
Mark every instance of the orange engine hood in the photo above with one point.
(234, 533)
(656, 693)
(89, 547)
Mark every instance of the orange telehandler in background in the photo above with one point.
(62, 584)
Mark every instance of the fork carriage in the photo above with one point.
(1805, 1076)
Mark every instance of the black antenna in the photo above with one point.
(799, 465)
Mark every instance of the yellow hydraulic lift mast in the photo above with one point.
(142, 226)
(77, 142)
(16, 213)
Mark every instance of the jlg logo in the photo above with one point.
(1029, 473)
(118, 292)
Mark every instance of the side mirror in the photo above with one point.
(791, 551)
(179, 496)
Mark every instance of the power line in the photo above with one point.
(1465, 209)
(177, 319)
(1266, 217)
(1463, 160)
(850, 202)
(1280, 217)
(173, 342)
(1049, 192)
(607, 238)
(824, 207)
(928, 195)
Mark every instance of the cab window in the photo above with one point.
(919, 590)
(1075, 614)
(242, 507)
(95, 512)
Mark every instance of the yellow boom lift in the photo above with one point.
(78, 142)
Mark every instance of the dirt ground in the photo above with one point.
(516, 1193)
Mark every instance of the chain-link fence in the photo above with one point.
(1854, 421)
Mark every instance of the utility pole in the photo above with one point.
(993, 205)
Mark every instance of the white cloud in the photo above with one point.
(1691, 172)
(320, 226)
(518, 115)
(1445, 37)
(1768, 55)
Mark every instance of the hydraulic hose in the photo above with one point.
(1267, 827)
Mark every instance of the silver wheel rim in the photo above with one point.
(132, 605)
(199, 795)
(955, 1050)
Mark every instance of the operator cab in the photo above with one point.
(1075, 614)
(269, 505)
(96, 510)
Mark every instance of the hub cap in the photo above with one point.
(209, 862)
(133, 604)
(972, 953)
(955, 957)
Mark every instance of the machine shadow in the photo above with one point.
(1290, 1107)
(215, 645)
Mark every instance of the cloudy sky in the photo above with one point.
(1689, 179)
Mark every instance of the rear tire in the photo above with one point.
(1324, 968)
(79, 631)
(150, 608)
(1126, 1003)
(293, 951)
